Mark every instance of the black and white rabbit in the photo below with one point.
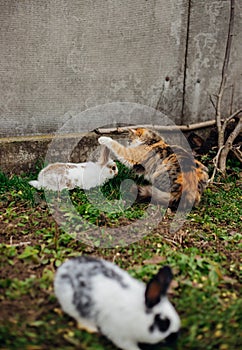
(57, 176)
(102, 297)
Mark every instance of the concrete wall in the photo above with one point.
(207, 38)
(61, 57)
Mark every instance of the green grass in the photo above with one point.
(204, 255)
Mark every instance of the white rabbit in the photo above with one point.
(102, 297)
(57, 176)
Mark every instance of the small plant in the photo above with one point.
(203, 253)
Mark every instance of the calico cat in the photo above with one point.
(176, 177)
(58, 176)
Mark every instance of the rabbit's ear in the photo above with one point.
(104, 155)
(158, 286)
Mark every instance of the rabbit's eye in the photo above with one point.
(114, 168)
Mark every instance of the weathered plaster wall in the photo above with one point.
(61, 57)
(207, 38)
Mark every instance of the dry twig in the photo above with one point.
(224, 147)
(165, 128)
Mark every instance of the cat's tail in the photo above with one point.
(35, 184)
(185, 199)
(190, 195)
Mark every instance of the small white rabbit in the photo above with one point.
(102, 297)
(57, 176)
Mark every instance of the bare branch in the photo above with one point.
(237, 152)
(224, 148)
(237, 130)
(216, 162)
(227, 120)
(224, 75)
(20, 244)
(167, 128)
(221, 156)
(228, 146)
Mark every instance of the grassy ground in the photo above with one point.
(204, 254)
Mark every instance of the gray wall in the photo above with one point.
(60, 57)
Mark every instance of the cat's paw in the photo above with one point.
(103, 140)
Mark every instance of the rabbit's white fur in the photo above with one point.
(102, 297)
(57, 176)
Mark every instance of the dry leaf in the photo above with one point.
(156, 259)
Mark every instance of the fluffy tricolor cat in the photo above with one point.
(58, 176)
(175, 175)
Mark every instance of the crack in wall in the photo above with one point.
(185, 62)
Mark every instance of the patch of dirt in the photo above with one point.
(22, 226)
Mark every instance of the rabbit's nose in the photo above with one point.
(172, 338)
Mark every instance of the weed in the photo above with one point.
(204, 256)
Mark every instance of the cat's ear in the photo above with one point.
(138, 132)
(104, 155)
(132, 131)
